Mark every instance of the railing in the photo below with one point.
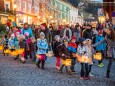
(8, 11)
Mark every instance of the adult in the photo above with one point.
(37, 31)
(47, 33)
(77, 33)
(27, 29)
(110, 40)
(68, 32)
(88, 33)
(72, 28)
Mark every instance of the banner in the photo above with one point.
(100, 12)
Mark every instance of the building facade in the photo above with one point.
(27, 11)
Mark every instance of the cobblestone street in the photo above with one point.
(14, 73)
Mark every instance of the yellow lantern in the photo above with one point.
(67, 62)
(38, 56)
(98, 56)
(1, 47)
(14, 53)
(7, 51)
(20, 51)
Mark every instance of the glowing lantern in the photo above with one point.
(1, 47)
(14, 53)
(98, 56)
(38, 56)
(50, 54)
(83, 59)
(7, 51)
(67, 62)
(20, 51)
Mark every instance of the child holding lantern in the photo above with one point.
(73, 49)
(64, 54)
(82, 52)
(42, 46)
(23, 44)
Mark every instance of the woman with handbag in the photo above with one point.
(42, 50)
(110, 40)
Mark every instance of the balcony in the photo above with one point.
(8, 11)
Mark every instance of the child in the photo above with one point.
(73, 49)
(5, 44)
(82, 51)
(11, 43)
(32, 48)
(101, 48)
(42, 46)
(64, 53)
(23, 44)
(28, 40)
(55, 50)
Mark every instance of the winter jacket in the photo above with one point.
(88, 33)
(32, 46)
(69, 35)
(55, 48)
(77, 34)
(81, 50)
(64, 52)
(72, 47)
(42, 46)
(29, 30)
(11, 43)
(101, 46)
(23, 44)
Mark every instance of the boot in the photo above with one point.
(108, 74)
(43, 65)
(38, 63)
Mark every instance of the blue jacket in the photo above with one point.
(11, 43)
(29, 30)
(102, 46)
(72, 49)
(42, 46)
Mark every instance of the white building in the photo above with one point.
(73, 15)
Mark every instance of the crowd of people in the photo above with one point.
(66, 42)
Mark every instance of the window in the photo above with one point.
(19, 3)
(29, 7)
(24, 6)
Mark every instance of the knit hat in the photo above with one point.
(42, 34)
(65, 39)
(81, 40)
(100, 32)
(26, 34)
(57, 36)
(44, 24)
(73, 38)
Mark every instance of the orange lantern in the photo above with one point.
(20, 51)
(7, 51)
(14, 53)
(50, 54)
(83, 59)
(1, 47)
(98, 56)
(67, 62)
(38, 56)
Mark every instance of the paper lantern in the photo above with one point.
(67, 62)
(7, 51)
(14, 53)
(83, 59)
(1, 47)
(20, 50)
(98, 56)
(38, 56)
(50, 54)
